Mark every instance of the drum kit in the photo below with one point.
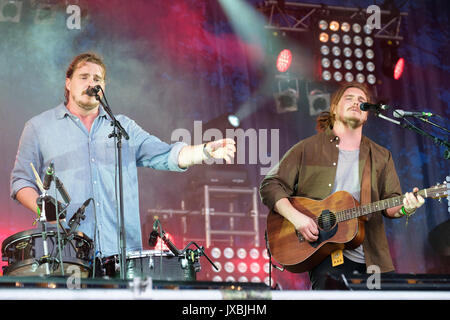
(25, 256)
(56, 251)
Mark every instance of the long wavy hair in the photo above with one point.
(326, 119)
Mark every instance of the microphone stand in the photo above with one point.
(196, 253)
(118, 132)
(408, 125)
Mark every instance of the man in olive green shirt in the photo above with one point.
(319, 165)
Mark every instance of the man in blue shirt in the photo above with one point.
(74, 136)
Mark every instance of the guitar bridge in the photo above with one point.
(299, 236)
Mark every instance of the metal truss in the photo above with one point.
(299, 17)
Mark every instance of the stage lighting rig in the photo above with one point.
(345, 51)
(393, 63)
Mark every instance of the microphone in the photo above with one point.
(401, 114)
(62, 190)
(93, 91)
(48, 178)
(153, 237)
(74, 222)
(365, 106)
(170, 245)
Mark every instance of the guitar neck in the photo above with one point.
(379, 205)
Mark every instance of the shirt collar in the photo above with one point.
(330, 135)
(62, 112)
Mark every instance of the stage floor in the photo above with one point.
(65, 288)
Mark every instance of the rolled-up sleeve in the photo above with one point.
(153, 153)
(28, 152)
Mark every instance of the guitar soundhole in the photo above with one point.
(327, 220)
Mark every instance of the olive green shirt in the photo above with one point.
(308, 169)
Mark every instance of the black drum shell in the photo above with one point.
(23, 251)
(155, 264)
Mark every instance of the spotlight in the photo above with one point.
(348, 64)
(10, 11)
(371, 79)
(242, 267)
(326, 75)
(229, 267)
(323, 37)
(325, 62)
(393, 64)
(347, 52)
(357, 40)
(234, 120)
(45, 13)
(335, 38)
(346, 39)
(284, 60)
(345, 26)
(228, 253)
(324, 50)
(336, 51)
(318, 101)
(398, 69)
(286, 101)
(287, 95)
(356, 28)
(241, 253)
(337, 76)
(254, 253)
(215, 253)
(337, 64)
(348, 77)
(334, 26)
(323, 25)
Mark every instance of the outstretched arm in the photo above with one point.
(220, 149)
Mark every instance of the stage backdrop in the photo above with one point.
(171, 63)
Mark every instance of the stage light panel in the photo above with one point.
(350, 40)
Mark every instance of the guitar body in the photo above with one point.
(296, 254)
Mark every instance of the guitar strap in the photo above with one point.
(366, 182)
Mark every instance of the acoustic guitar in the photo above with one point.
(340, 220)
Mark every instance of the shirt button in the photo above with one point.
(93, 160)
(329, 184)
(95, 182)
(98, 204)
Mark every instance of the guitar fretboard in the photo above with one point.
(360, 211)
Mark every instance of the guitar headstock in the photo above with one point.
(439, 190)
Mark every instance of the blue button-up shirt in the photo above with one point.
(85, 162)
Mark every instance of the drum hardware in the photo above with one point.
(194, 255)
(189, 254)
(44, 203)
(24, 253)
(51, 210)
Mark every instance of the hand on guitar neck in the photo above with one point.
(302, 223)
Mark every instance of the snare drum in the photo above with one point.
(24, 252)
(155, 264)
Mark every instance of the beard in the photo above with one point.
(86, 104)
(352, 122)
